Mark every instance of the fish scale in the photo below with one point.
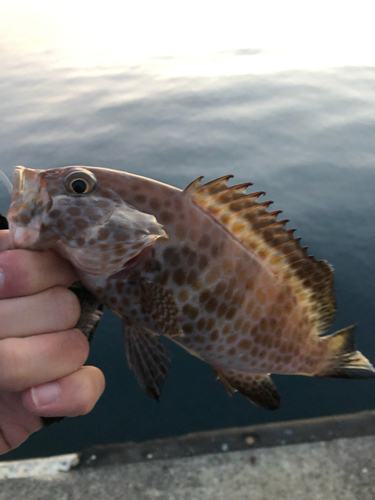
(209, 267)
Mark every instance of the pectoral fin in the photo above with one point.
(258, 388)
(161, 305)
(147, 356)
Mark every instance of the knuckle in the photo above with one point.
(67, 306)
(16, 262)
(11, 365)
(81, 346)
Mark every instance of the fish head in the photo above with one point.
(90, 224)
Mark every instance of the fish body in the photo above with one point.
(210, 267)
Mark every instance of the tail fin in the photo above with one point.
(344, 361)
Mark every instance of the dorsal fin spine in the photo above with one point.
(262, 234)
(193, 186)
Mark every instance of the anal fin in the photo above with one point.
(258, 388)
(147, 357)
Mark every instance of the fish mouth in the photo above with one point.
(29, 199)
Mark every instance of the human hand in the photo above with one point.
(41, 353)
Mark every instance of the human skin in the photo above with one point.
(41, 353)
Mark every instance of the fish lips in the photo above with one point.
(30, 199)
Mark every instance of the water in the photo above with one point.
(304, 132)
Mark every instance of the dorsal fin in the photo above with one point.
(259, 231)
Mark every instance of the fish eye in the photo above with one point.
(79, 186)
(80, 182)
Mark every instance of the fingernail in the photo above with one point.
(2, 279)
(45, 394)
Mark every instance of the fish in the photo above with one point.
(209, 267)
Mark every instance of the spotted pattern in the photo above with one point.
(218, 279)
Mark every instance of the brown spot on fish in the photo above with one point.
(201, 324)
(215, 249)
(211, 305)
(244, 344)
(140, 198)
(232, 351)
(190, 311)
(222, 309)
(220, 288)
(181, 231)
(263, 325)
(25, 219)
(54, 213)
(204, 296)
(192, 277)
(204, 241)
(197, 285)
(81, 223)
(120, 251)
(103, 203)
(246, 327)
(155, 203)
(214, 335)
(183, 295)
(210, 324)
(166, 217)
(231, 313)
(202, 262)
(193, 234)
(231, 339)
(60, 224)
(199, 339)
(103, 234)
(254, 351)
(179, 276)
(162, 278)
(257, 313)
(74, 211)
(227, 266)
(171, 256)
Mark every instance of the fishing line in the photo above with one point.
(4, 179)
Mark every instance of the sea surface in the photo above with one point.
(302, 133)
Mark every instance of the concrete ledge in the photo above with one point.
(326, 459)
(234, 439)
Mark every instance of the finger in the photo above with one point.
(14, 435)
(70, 396)
(5, 243)
(35, 360)
(53, 310)
(25, 273)
(16, 422)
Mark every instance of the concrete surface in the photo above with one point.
(341, 468)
